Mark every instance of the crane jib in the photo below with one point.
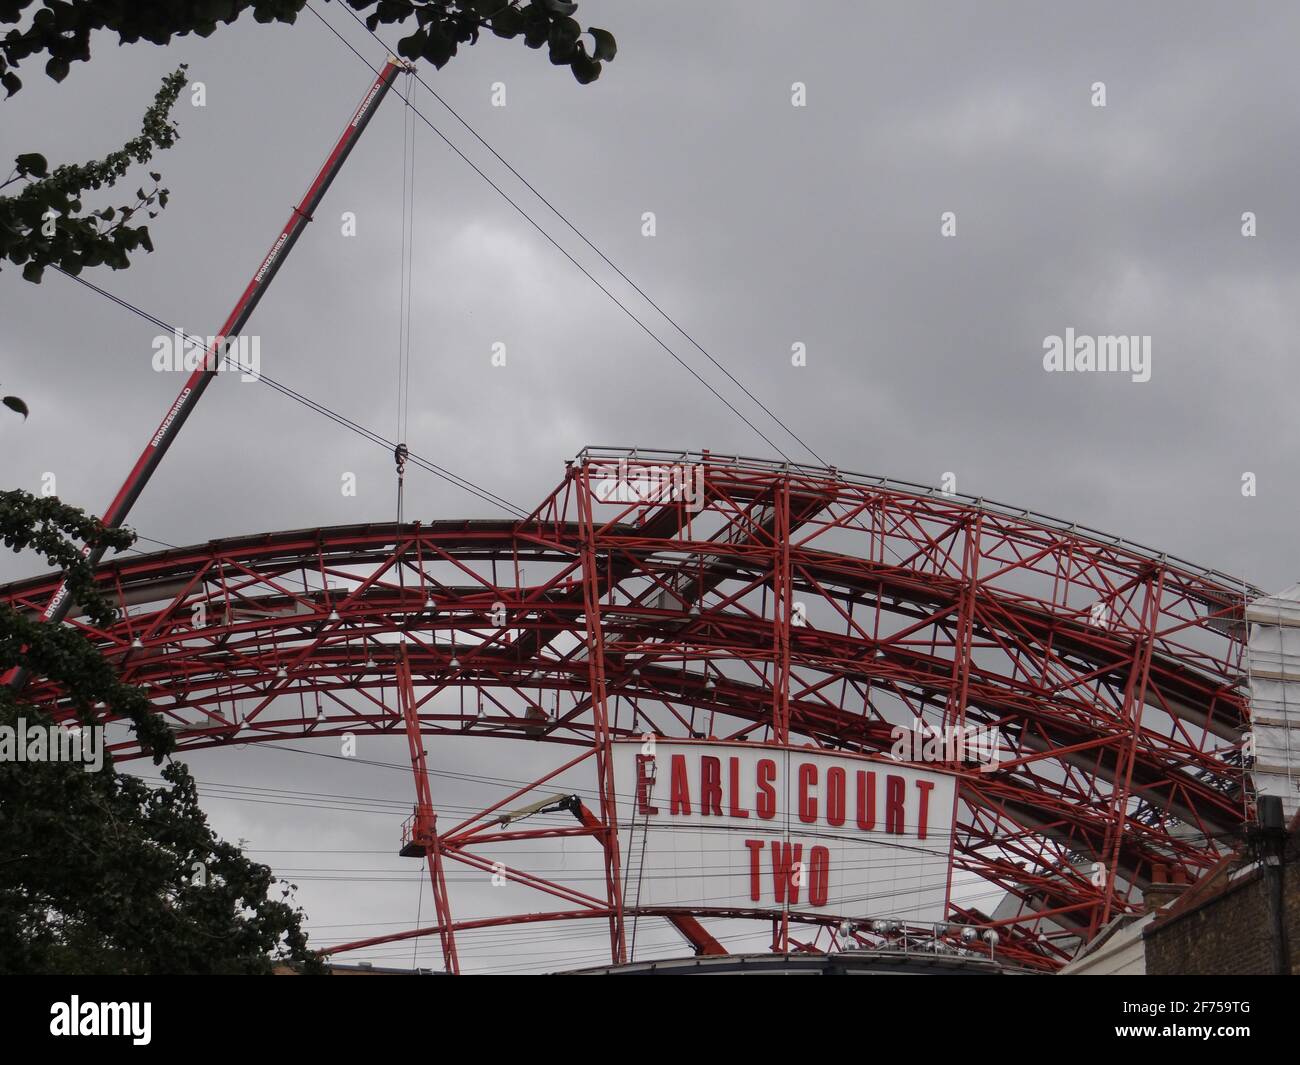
(56, 609)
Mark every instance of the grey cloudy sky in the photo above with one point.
(776, 224)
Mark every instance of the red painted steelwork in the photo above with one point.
(201, 377)
(420, 839)
(781, 601)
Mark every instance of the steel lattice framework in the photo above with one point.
(757, 601)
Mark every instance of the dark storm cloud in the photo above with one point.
(775, 225)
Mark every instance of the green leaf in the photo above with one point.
(507, 23)
(14, 403)
(440, 47)
(57, 68)
(606, 47)
(585, 69)
(563, 50)
(411, 47)
(565, 29)
(33, 163)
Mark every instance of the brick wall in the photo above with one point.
(1229, 933)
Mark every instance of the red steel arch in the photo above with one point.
(709, 596)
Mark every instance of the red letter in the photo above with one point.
(835, 787)
(923, 786)
(819, 875)
(807, 803)
(766, 793)
(644, 762)
(895, 789)
(734, 770)
(680, 792)
(710, 785)
(783, 869)
(866, 801)
(755, 849)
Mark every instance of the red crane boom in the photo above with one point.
(198, 381)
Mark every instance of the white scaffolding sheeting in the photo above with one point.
(1274, 655)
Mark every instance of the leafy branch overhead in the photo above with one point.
(56, 531)
(60, 29)
(44, 225)
(100, 871)
(443, 26)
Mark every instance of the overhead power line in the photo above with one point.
(454, 479)
(585, 272)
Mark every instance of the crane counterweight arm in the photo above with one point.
(199, 379)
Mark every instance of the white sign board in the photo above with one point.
(752, 826)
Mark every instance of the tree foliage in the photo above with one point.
(60, 30)
(100, 872)
(98, 869)
(15, 403)
(44, 224)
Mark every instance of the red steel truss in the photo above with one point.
(420, 833)
(215, 355)
(705, 596)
